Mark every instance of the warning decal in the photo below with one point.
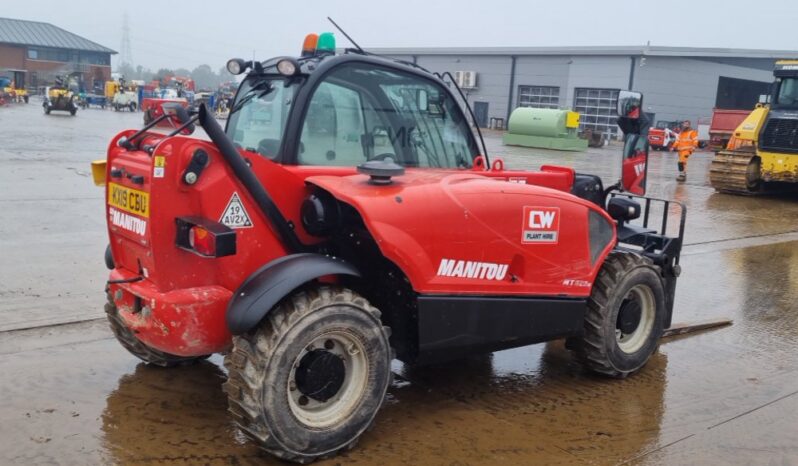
(234, 215)
(159, 166)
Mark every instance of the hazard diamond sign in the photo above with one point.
(235, 215)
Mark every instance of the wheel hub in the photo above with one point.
(320, 375)
(629, 316)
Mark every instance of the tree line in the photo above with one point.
(204, 77)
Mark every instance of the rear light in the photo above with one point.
(204, 237)
(202, 241)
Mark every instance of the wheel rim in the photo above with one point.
(635, 319)
(328, 379)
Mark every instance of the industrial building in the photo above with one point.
(32, 53)
(678, 82)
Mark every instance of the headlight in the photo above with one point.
(288, 67)
(236, 66)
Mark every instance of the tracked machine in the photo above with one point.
(762, 154)
(348, 215)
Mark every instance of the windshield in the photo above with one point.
(363, 112)
(788, 93)
(259, 115)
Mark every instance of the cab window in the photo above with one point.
(360, 113)
(259, 115)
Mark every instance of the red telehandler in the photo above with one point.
(348, 215)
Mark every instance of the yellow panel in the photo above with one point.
(129, 199)
(787, 62)
(749, 128)
(98, 172)
(572, 120)
(779, 167)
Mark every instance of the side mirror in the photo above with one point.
(634, 167)
(631, 119)
(629, 104)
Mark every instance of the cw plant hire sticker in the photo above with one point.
(541, 225)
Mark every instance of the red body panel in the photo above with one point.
(428, 216)
(724, 123)
(634, 174)
(469, 216)
(155, 106)
(660, 138)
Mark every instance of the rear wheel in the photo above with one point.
(625, 316)
(310, 380)
(137, 348)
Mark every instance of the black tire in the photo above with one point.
(132, 106)
(264, 374)
(147, 117)
(625, 280)
(137, 348)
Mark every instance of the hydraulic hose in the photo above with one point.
(251, 183)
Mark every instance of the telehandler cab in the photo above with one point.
(347, 216)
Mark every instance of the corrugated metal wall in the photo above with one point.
(674, 87)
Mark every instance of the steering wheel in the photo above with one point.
(269, 147)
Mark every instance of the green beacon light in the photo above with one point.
(326, 44)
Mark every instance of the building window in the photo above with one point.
(33, 54)
(597, 109)
(539, 96)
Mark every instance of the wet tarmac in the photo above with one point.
(69, 394)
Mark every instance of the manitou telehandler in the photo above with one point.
(348, 215)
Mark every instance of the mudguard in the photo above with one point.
(262, 290)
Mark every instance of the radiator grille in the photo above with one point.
(780, 135)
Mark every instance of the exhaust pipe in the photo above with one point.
(251, 183)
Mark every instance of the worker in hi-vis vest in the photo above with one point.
(685, 143)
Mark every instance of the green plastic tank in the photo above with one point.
(545, 128)
(547, 122)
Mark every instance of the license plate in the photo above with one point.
(129, 199)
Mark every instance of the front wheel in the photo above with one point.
(310, 379)
(625, 316)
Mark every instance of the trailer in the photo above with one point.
(724, 122)
(96, 100)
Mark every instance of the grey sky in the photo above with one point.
(186, 34)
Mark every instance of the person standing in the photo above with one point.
(685, 144)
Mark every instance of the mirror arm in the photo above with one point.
(185, 125)
(128, 144)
